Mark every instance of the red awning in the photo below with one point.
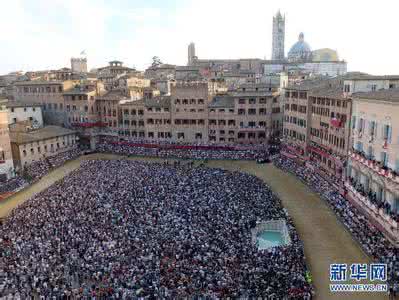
(319, 151)
(287, 154)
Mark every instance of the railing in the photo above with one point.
(389, 224)
(375, 166)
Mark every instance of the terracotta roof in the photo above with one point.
(38, 82)
(158, 102)
(388, 95)
(45, 133)
(21, 104)
(371, 77)
(78, 91)
(133, 102)
(222, 101)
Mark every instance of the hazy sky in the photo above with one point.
(43, 34)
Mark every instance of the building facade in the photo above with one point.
(49, 94)
(21, 112)
(29, 146)
(373, 167)
(6, 162)
(250, 114)
(317, 125)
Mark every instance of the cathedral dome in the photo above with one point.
(300, 50)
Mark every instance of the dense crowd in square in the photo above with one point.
(120, 229)
(187, 153)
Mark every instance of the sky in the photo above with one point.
(45, 34)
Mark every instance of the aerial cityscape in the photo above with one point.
(221, 178)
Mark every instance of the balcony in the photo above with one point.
(375, 166)
(377, 215)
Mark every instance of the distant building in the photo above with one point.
(47, 93)
(191, 54)
(194, 114)
(6, 162)
(21, 111)
(300, 51)
(369, 83)
(33, 145)
(278, 37)
(79, 65)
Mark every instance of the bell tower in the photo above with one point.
(278, 37)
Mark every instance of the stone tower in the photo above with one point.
(79, 65)
(278, 37)
(191, 54)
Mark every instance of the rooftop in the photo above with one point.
(21, 104)
(388, 95)
(162, 101)
(79, 91)
(222, 101)
(308, 84)
(115, 94)
(360, 76)
(39, 82)
(45, 133)
(132, 102)
(334, 92)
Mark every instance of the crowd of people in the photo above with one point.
(37, 170)
(12, 185)
(121, 229)
(370, 238)
(372, 197)
(253, 154)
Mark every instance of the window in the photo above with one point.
(241, 111)
(262, 101)
(384, 159)
(370, 152)
(359, 146)
(252, 101)
(252, 111)
(241, 101)
(373, 87)
(387, 133)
